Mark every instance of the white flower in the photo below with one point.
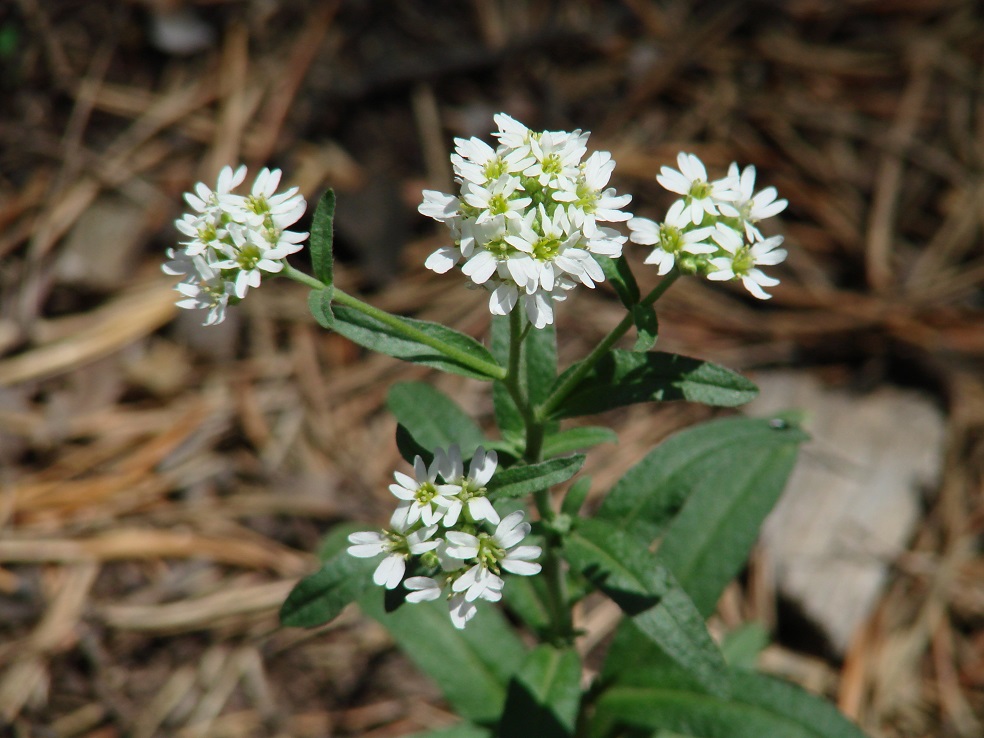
(700, 195)
(740, 260)
(233, 240)
(494, 198)
(526, 223)
(423, 589)
(486, 556)
(420, 497)
(398, 544)
(750, 208)
(203, 287)
(467, 493)
(673, 236)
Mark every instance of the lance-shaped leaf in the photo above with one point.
(544, 697)
(758, 706)
(619, 275)
(461, 730)
(627, 377)
(321, 240)
(655, 489)
(319, 303)
(646, 325)
(708, 541)
(375, 335)
(623, 568)
(471, 667)
(320, 597)
(577, 439)
(432, 418)
(520, 481)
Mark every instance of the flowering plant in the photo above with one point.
(533, 219)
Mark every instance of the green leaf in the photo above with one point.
(320, 597)
(461, 730)
(322, 237)
(519, 481)
(647, 327)
(618, 273)
(526, 597)
(626, 377)
(432, 418)
(319, 303)
(544, 696)
(624, 569)
(472, 667)
(741, 647)
(575, 497)
(654, 490)
(759, 706)
(377, 336)
(576, 439)
(709, 540)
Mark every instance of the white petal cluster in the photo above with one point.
(527, 222)
(232, 239)
(713, 228)
(445, 526)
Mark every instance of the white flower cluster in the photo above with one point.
(444, 526)
(713, 229)
(526, 222)
(232, 239)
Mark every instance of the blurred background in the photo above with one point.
(163, 485)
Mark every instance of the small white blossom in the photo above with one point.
(232, 240)
(488, 555)
(690, 181)
(740, 261)
(468, 493)
(420, 497)
(526, 225)
(750, 208)
(398, 544)
(673, 237)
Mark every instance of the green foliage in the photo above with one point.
(472, 667)
(621, 566)
(520, 481)
(575, 497)
(620, 277)
(708, 541)
(321, 241)
(375, 335)
(319, 303)
(759, 706)
(626, 377)
(462, 730)
(646, 325)
(537, 372)
(432, 419)
(544, 696)
(655, 489)
(577, 439)
(320, 597)
(741, 647)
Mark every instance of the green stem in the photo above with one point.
(580, 371)
(397, 324)
(561, 627)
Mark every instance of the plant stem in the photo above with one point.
(398, 324)
(581, 369)
(561, 628)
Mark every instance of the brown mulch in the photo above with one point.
(162, 485)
